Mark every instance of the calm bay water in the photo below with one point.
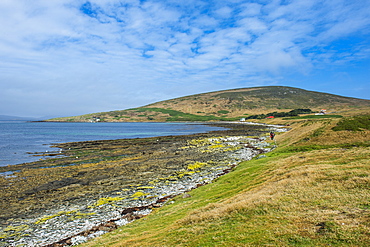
(19, 138)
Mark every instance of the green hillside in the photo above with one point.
(312, 190)
(228, 105)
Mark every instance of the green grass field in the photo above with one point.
(314, 117)
(313, 190)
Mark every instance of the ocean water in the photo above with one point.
(19, 140)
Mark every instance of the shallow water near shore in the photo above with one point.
(20, 140)
(100, 185)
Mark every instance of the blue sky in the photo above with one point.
(71, 57)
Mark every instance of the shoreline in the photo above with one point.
(77, 202)
(26, 142)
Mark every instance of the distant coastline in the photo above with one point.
(21, 140)
(101, 182)
(16, 118)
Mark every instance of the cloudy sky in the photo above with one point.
(71, 57)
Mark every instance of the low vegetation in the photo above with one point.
(174, 116)
(315, 116)
(291, 113)
(250, 103)
(355, 123)
(312, 190)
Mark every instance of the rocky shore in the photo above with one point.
(97, 186)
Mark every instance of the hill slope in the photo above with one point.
(312, 190)
(228, 105)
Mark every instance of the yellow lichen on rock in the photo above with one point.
(139, 194)
(46, 218)
(217, 146)
(14, 231)
(231, 149)
(107, 200)
(145, 187)
(80, 215)
(182, 174)
(196, 165)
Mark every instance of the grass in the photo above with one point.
(314, 117)
(231, 104)
(313, 190)
(181, 116)
(356, 123)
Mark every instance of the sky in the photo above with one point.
(73, 57)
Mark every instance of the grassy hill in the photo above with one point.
(312, 190)
(228, 105)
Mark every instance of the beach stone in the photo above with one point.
(186, 195)
(53, 185)
(117, 181)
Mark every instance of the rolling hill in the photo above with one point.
(311, 190)
(227, 105)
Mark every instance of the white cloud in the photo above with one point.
(250, 9)
(224, 12)
(106, 52)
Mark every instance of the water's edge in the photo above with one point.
(202, 158)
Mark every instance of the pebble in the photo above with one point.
(77, 226)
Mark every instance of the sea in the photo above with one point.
(21, 140)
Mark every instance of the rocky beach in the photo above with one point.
(90, 188)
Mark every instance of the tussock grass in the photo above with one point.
(317, 196)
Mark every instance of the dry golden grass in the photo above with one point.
(316, 176)
(318, 197)
(319, 132)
